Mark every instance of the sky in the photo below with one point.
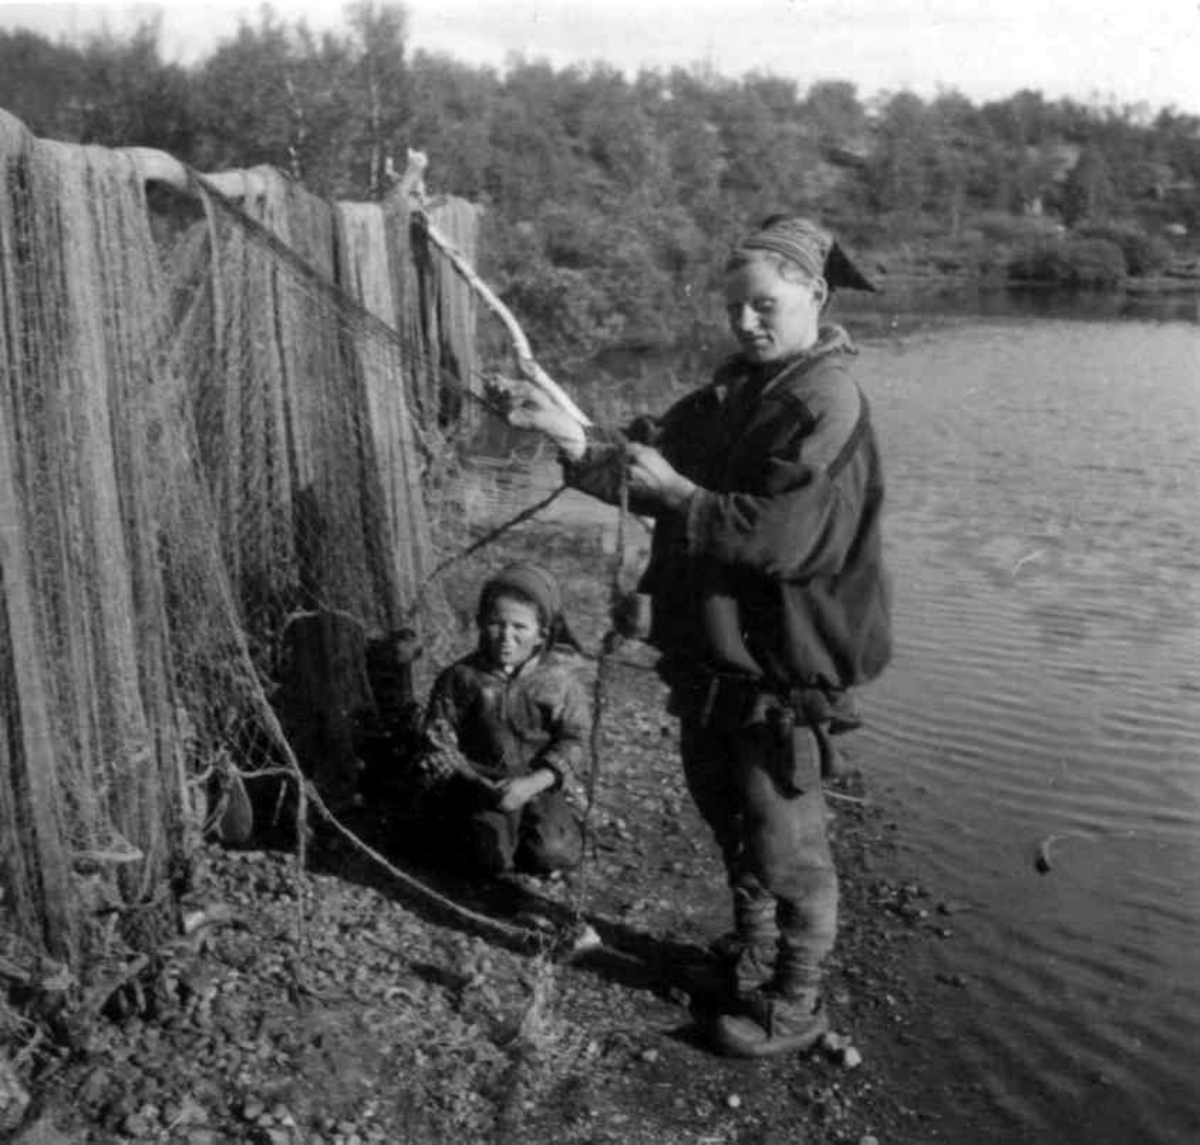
(1123, 51)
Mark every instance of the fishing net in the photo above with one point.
(246, 449)
(204, 439)
(90, 770)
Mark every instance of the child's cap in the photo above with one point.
(534, 583)
(528, 580)
(810, 246)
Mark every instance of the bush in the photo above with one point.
(1072, 261)
(1009, 229)
(1144, 253)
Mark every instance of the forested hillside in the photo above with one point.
(611, 198)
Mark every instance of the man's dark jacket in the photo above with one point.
(775, 567)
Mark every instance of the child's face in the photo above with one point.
(511, 631)
(771, 316)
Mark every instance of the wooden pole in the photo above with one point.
(412, 184)
(160, 167)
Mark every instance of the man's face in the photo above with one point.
(512, 632)
(772, 317)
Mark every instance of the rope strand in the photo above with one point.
(600, 687)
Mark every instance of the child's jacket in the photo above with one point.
(511, 725)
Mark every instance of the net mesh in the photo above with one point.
(236, 443)
(92, 754)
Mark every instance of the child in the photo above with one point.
(505, 726)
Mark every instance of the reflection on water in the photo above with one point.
(1043, 532)
(1044, 535)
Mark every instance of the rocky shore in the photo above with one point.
(320, 1006)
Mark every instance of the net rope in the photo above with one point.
(240, 444)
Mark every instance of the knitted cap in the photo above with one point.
(534, 583)
(529, 580)
(810, 246)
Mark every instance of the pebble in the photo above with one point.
(868, 1140)
(833, 1043)
(949, 907)
(136, 1125)
(14, 1099)
(585, 939)
(95, 1086)
(201, 1137)
(678, 996)
(235, 1021)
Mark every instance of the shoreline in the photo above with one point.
(901, 295)
(327, 1010)
(411, 1031)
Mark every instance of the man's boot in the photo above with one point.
(751, 952)
(743, 960)
(785, 1016)
(770, 1022)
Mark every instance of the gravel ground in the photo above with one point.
(323, 1006)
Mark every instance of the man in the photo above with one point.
(769, 602)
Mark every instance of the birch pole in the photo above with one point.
(412, 184)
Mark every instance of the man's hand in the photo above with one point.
(527, 406)
(515, 793)
(652, 475)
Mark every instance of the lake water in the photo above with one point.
(1043, 531)
(1044, 535)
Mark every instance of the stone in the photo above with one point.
(201, 1136)
(833, 1043)
(14, 1100)
(95, 1087)
(584, 939)
(136, 1124)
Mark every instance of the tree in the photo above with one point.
(41, 84)
(106, 90)
(833, 110)
(250, 101)
(378, 73)
(1089, 192)
(898, 169)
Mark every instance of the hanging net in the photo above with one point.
(90, 776)
(245, 451)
